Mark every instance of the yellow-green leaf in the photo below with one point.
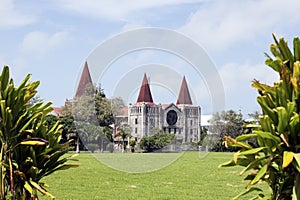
(287, 158)
(28, 187)
(245, 137)
(41, 190)
(227, 164)
(268, 135)
(33, 143)
(235, 157)
(252, 151)
(259, 175)
(297, 158)
(67, 166)
(247, 192)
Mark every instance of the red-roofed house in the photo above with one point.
(57, 111)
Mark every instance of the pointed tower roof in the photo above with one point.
(184, 94)
(145, 93)
(85, 79)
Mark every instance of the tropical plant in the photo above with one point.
(132, 144)
(29, 148)
(92, 135)
(124, 132)
(276, 160)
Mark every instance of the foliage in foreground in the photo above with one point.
(277, 159)
(29, 149)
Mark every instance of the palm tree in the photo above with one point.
(124, 133)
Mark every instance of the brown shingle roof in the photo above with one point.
(184, 94)
(85, 79)
(145, 93)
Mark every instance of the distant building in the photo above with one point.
(183, 118)
(146, 117)
(205, 121)
(57, 111)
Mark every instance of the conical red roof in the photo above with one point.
(145, 93)
(184, 94)
(85, 79)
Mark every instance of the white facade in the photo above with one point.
(182, 120)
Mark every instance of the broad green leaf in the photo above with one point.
(245, 137)
(266, 109)
(294, 126)
(67, 166)
(252, 151)
(30, 121)
(227, 164)
(266, 124)
(252, 189)
(275, 64)
(62, 167)
(230, 142)
(296, 166)
(40, 189)
(253, 165)
(283, 119)
(291, 107)
(4, 77)
(260, 174)
(287, 158)
(243, 161)
(297, 158)
(296, 188)
(268, 135)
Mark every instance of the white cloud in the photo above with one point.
(219, 24)
(237, 84)
(133, 25)
(38, 43)
(11, 17)
(114, 9)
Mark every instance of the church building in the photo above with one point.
(183, 118)
(145, 117)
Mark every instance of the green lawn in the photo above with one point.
(188, 177)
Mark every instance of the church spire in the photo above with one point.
(145, 93)
(85, 79)
(184, 94)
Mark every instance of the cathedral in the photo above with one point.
(183, 118)
(145, 117)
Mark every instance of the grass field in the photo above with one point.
(188, 177)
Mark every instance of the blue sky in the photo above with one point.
(52, 39)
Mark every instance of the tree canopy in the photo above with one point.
(225, 123)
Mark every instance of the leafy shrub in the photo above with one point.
(132, 144)
(155, 142)
(110, 147)
(276, 160)
(29, 149)
(92, 147)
